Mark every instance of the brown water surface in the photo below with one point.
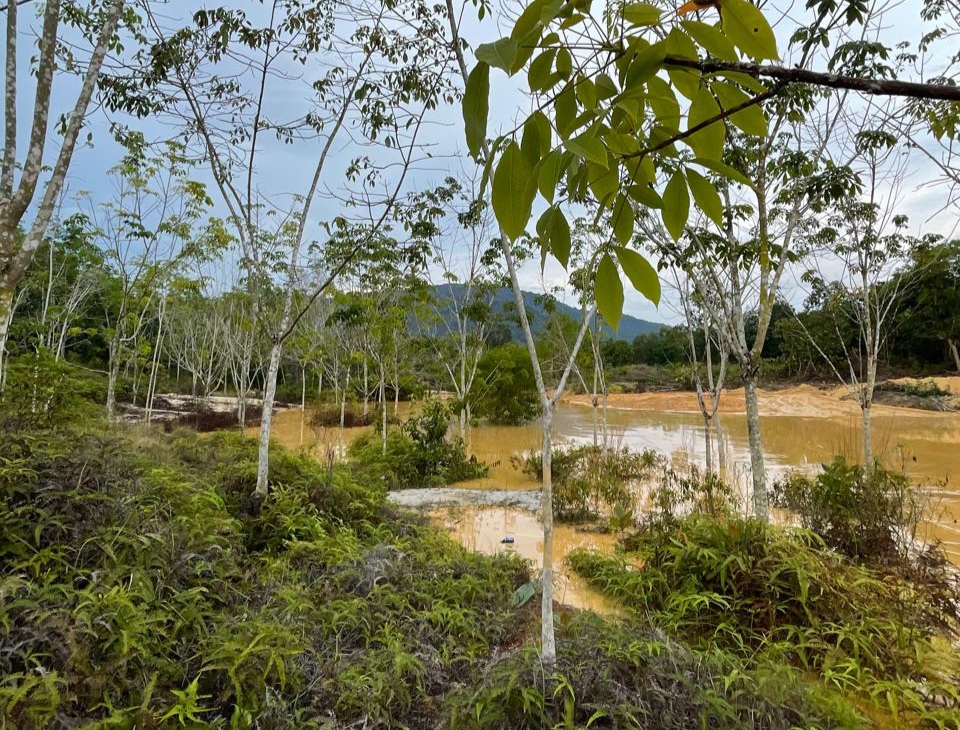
(801, 427)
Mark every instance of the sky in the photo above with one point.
(285, 170)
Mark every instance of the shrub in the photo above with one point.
(42, 393)
(506, 392)
(765, 593)
(628, 675)
(136, 591)
(867, 517)
(418, 454)
(589, 481)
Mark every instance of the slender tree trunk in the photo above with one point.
(155, 365)
(865, 409)
(113, 371)
(266, 421)
(596, 406)
(303, 401)
(548, 638)
(760, 508)
(383, 411)
(6, 315)
(343, 404)
(366, 388)
(950, 343)
(708, 446)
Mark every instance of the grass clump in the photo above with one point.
(417, 455)
(136, 590)
(768, 594)
(590, 482)
(628, 675)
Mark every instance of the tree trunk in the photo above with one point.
(867, 437)
(760, 508)
(366, 388)
(266, 420)
(303, 401)
(547, 634)
(950, 343)
(113, 371)
(708, 449)
(6, 315)
(383, 412)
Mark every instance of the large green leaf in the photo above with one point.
(608, 290)
(706, 197)
(641, 273)
(513, 191)
(540, 74)
(549, 176)
(589, 146)
(745, 25)
(708, 142)
(560, 237)
(500, 54)
(476, 107)
(711, 39)
(622, 219)
(676, 205)
(641, 14)
(750, 120)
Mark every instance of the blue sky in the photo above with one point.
(285, 170)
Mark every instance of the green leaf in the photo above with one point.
(711, 39)
(745, 25)
(587, 93)
(565, 110)
(476, 107)
(706, 197)
(500, 54)
(588, 146)
(608, 290)
(539, 74)
(536, 138)
(622, 219)
(721, 168)
(676, 205)
(664, 103)
(549, 176)
(560, 237)
(708, 142)
(641, 14)
(513, 191)
(641, 273)
(645, 65)
(604, 182)
(564, 62)
(750, 120)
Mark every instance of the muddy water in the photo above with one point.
(801, 427)
(484, 529)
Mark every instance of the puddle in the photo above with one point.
(482, 529)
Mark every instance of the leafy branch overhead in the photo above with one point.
(633, 112)
(609, 124)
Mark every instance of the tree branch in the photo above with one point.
(877, 87)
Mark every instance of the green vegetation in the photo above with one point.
(589, 482)
(771, 595)
(418, 455)
(507, 393)
(136, 591)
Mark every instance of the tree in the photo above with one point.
(18, 246)
(931, 307)
(216, 78)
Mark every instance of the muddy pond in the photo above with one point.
(802, 427)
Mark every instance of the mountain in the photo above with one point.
(536, 305)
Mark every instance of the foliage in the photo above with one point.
(507, 392)
(589, 481)
(41, 392)
(628, 675)
(419, 455)
(869, 517)
(136, 591)
(774, 595)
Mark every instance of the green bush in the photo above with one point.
(41, 392)
(765, 593)
(589, 482)
(869, 517)
(506, 392)
(627, 675)
(417, 455)
(136, 590)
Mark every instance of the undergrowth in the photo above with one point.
(137, 592)
(770, 595)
